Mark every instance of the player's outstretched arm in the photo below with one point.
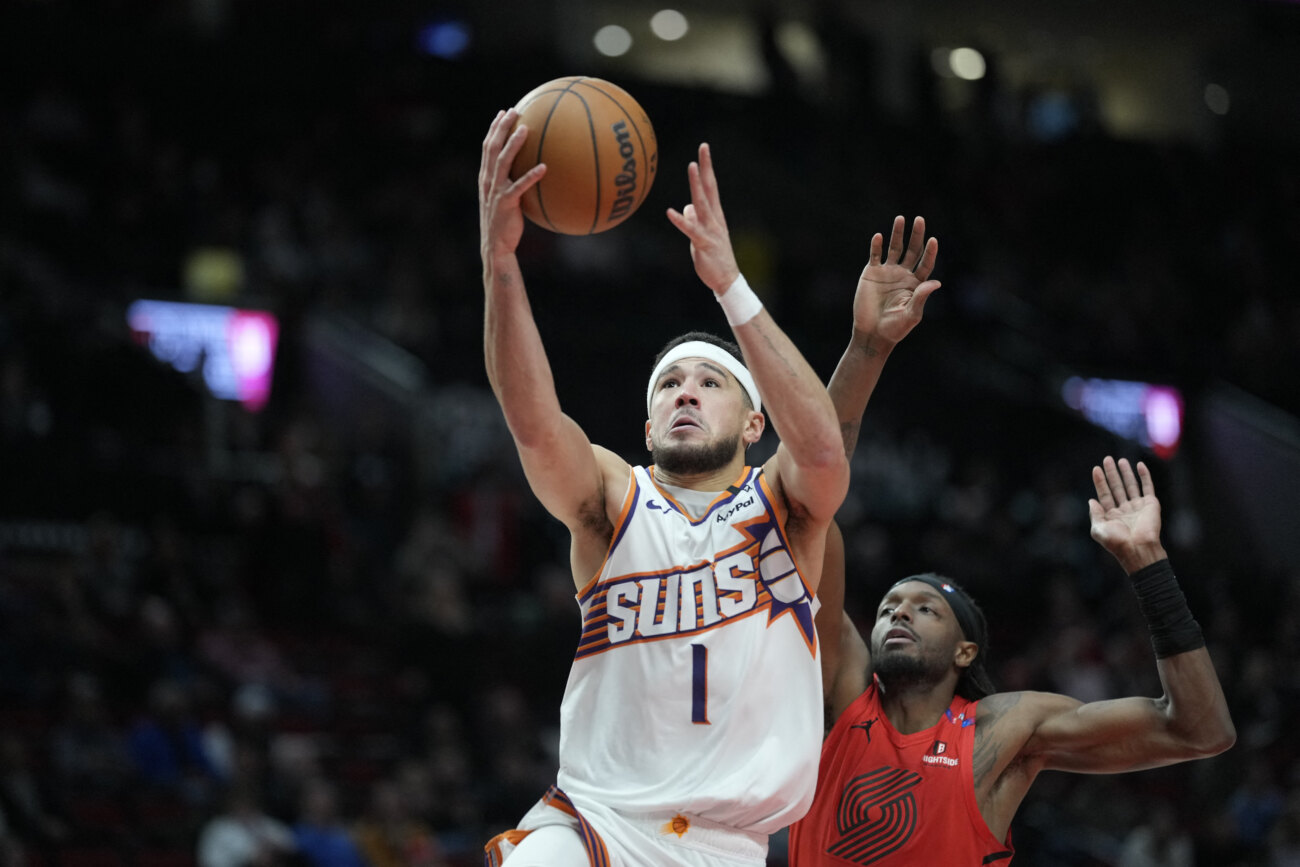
(1191, 719)
(888, 304)
(809, 466)
(561, 465)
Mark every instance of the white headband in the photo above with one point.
(716, 354)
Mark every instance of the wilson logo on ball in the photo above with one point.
(625, 182)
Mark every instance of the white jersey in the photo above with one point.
(696, 686)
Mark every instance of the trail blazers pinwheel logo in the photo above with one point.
(876, 816)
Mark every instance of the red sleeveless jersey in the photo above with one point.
(894, 800)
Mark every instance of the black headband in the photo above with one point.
(962, 608)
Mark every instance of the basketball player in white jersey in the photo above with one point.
(691, 722)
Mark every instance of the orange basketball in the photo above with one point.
(600, 152)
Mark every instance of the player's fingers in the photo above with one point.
(1131, 488)
(877, 247)
(526, 181)
(488, 148)
(1114, 481)
(492, 130)
(915, 244)
(513, 144)
(926, 266)
(921, 294)
(499, 136)
(708, 177)
(695, 181)
(684, 220)
(1144, 474)
(896, 240)
(1102, 485)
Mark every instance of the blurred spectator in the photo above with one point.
(444, 772)
(88, 751)
(30, 809)
(519, 763)
(236, 648)
(1159, 842)
(242, 834)
(1284, 839)
(161, 649)
(321, 836)
(1255, 806)
(167, 746)
(388, 835)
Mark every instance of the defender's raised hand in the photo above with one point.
(501, 219)
(894, 285)
(1125, 515)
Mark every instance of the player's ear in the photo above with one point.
(648, 445)
(754, 427)
(965, 653)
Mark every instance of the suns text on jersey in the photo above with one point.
(685, 600)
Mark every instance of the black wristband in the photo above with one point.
(1173, 629)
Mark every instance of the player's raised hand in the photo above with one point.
(1125, 514)
(501, 219)
(703, 222)
(895, 284)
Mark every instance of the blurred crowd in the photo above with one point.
(317, 637)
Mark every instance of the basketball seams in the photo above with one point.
(595, 147)
(541, 144)
(523, 104)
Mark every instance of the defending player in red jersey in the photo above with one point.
(925, 763)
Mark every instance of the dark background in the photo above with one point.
(354, 586)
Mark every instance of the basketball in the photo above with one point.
(600, 152)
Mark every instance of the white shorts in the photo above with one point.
(554, 833)
(550, 846)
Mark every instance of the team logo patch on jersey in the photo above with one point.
(678, 825)
(937, 755)
(876, 815)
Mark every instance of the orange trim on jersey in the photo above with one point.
(560, 801)
(492, 856)
(628, 499)
(751, 539)
(744, 477)
(777, 503)
(660, 573)
(779, 507)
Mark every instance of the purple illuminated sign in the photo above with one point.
(232, 350)
(1151, 415)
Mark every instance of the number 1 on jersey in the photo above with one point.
(699, 684)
